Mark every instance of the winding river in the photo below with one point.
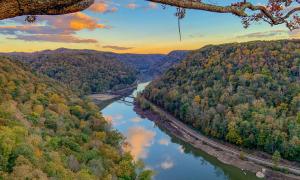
(169, 157)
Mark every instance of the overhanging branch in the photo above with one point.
(238, 9)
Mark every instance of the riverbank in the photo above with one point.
(226, 154)
(104, 99)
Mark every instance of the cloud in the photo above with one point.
(152, 5)
(120, 48)
(116, 119)
(54, 28)
(295, 33)
(139, 139)
(136, 119)
(53, 38)
(167, 164)
(180, 149)
(31, 29)
(132, 6)
(102, 7)
(74, 22)
(265, 34)
(165, 142)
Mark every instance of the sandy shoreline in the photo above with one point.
(225, 154)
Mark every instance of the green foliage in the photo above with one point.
(86, 72)
(276, 158)
(53, 133)
(247, 94)
(33, 117)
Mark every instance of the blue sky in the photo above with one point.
(135, 26)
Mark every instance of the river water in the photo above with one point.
(169, 157)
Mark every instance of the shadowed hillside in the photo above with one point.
(85, 71)
(92, 71)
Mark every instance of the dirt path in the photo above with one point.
(199, 141)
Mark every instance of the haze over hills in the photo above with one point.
(93, 71)
(247, 94)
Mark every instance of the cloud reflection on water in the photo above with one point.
(139, 139)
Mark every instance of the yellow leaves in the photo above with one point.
(232, 135)
(110, 152)
(39, 109)
(41, 88)
(173, 94)
(11, 86)
(100, 135)
(35, 140)
(55, 99)
(25, 170)
(246, 51)
(85, 175)
(9, 107)
(56, 168)
(197, 99)
(62, 109)
(38, 153)
(247, 76)
(82, 124)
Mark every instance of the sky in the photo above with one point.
(132, 26)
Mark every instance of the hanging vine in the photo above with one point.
(180, 14)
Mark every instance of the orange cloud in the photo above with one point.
(99, 7)
(139, 139)
(79, 21)
(102, 6)
(55, 29)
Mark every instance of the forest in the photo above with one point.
(47, 132)
(81, 70)
(247, 94)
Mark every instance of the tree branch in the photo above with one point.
(238, 9)
(13, 8)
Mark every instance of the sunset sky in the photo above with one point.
(134, 26)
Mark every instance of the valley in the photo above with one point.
(235, 105)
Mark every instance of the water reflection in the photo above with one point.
(168, 156)
(136, 119)
(167, 164)
(164, 141)
(139, 140)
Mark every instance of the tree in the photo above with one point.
(274, 12)
(271, 12)
(13, 8)
(276, 158)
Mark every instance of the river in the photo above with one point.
(169, 157)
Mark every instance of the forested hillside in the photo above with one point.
(247, 94)
(94, 71)
(150, 66)
(83, 70)
(47, 132)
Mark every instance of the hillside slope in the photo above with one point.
(247, 94)
(48, 132)
(83, 70)
(93, 71)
